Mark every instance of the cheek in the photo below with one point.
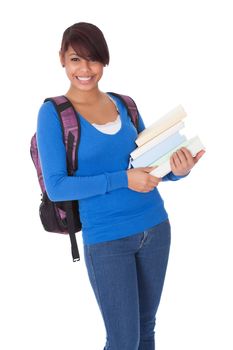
(70, 72)
(100, 73)
(98, 69)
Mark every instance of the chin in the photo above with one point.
(86, 87)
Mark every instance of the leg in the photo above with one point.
(151, 260)
(112, 272)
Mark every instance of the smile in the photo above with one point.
(84, 78)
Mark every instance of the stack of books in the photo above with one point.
(159, 141)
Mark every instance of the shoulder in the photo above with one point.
(47, 108)
(125, 101)
(122, 97)
(47, 112)
(48, 117)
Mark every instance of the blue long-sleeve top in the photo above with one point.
(108, 209)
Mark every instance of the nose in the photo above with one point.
(84, 65)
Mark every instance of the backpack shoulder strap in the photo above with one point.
(130, 106)
(70, 128)
(71, 136)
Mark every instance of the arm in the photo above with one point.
(52, 153)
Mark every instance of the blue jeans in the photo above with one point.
(127, 277)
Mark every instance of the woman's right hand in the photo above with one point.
(140, 180)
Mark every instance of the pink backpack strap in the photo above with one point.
(71, 137)
(130, 106)
(70, 127)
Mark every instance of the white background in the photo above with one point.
(163, 53)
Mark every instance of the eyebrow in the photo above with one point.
(73, 53)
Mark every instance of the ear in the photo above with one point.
(62, 59)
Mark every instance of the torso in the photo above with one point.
(102, 112)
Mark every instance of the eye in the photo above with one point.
(75, 59)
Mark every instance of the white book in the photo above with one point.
(156, 140)
(159, 150)
(194, 145)
(165, 122)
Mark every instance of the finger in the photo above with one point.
(152, 186)
(176, 159)
(199, 155)
(189, 157)
(183, 157)
(155, 183)
(187, 153)
(154, 179)
(179, 162)
(172, 163)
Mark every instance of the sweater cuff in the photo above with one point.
(173, 177)
(116, 180)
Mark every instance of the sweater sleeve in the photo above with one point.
(170, 176)
(59, 186)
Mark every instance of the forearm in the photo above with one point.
(63, 187)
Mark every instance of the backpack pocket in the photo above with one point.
(52, 217)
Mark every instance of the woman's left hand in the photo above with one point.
(182, 161)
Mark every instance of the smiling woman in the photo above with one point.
(83, 73)
(84, 53)
(125, 226)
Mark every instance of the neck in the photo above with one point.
(84, 97)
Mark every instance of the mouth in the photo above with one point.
(84, 79)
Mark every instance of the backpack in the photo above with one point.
(63, 217)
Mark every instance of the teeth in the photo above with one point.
(83, 78)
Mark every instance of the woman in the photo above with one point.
(125, 227)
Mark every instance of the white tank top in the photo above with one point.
(110, 127)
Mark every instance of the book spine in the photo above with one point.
(167, 155)
(159, 150)
(161, 125)
(156, 140)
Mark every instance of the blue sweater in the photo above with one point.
(108, 209)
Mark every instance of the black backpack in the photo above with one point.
(63, 217)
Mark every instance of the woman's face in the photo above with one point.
(83, 74)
